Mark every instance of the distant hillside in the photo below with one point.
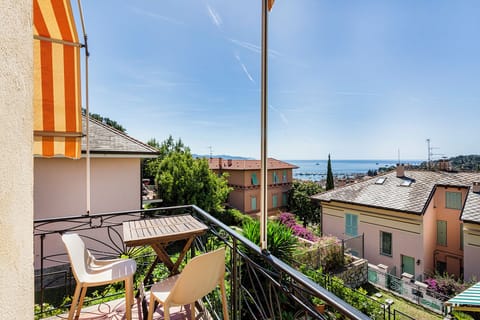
(460, 163)
(223, 156)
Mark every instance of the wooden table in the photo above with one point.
(159, 232)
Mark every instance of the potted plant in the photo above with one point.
(319, 304)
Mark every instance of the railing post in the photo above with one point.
(42, 238)
(234, 282)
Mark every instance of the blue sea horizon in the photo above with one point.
(317, 169)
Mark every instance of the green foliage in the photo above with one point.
(461, 315)
(330, 184)
(358, 298)
(301, 204)
(232, 217)
(280, 240)
(327, 254)
(181, 179)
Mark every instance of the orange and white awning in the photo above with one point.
(57, 97)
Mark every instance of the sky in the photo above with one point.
(355, 79)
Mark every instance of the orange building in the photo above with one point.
(245, 179)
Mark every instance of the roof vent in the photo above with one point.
(476, 187)
(380, 180)
(400, 170)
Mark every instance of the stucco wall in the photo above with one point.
(16, 167)
(429, 236)
(60, 186)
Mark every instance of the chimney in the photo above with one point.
(220, 163)
(400, 170)
(476, 187)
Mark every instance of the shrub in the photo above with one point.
(288, 219)
(446, 284)
(280, 242)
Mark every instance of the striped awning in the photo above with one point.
(57, 98)
(468, 300)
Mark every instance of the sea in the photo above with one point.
(316, 170)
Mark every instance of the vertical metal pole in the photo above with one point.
(235, 282)
(42, 290)
(87, 110)
(264, 124)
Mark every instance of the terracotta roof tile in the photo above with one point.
(230, 164)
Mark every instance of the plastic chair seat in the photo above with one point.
(90, 272)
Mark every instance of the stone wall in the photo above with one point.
(355, 274)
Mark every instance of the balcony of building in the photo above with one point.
(259, 285)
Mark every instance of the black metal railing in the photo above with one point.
(260, 286)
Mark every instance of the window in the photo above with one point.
(380, 180)
(442, 233)
(386, 243)
(461, 236)
(284, 176)
(275, 201)
(441, 267)
(253, 203)
(284, 199)
(453, 200)
(406, 183)
(254, 179)
(351, 224)
(275, 177)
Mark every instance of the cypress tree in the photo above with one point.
(329, 185)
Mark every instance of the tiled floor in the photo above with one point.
(116, 310)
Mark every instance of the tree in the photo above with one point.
(182, 180)
(150, 167)
(330, 184)
(301, 204)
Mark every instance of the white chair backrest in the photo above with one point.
(200, 276)
(78, 254)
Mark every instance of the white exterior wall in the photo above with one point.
(471, 251)
(16, 164)
(60, 186)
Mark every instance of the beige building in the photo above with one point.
(413, 221)
(245, 179)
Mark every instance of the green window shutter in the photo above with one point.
(385, 243)
(254, 179)
(253, 203)
(275, 177)
(284, 176)
(284, 198)
(442, 233)
(453, 200)
(461, 236)
(275, 201)
(351, 224)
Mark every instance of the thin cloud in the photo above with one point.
(356, 93)
(254, 48)
(245, 70)
(157, 16)
(281, 114)
(214, 16)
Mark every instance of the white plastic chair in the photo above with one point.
(90, 272)
(200, 276)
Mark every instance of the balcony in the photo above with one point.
(259, 286)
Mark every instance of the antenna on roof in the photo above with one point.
(210, 147)
(398, 151)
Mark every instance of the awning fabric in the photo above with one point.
(468, 300)
(57, 97)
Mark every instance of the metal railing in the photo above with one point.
(260, 286)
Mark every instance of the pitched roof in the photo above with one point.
(229, 164)
(105, 139)
(411, 199)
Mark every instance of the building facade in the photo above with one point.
(415, 222)
(244, 177)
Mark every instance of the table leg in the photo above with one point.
(174, 269)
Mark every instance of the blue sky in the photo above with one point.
(356, 79)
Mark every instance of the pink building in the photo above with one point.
(413, 221)
(245, 179)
